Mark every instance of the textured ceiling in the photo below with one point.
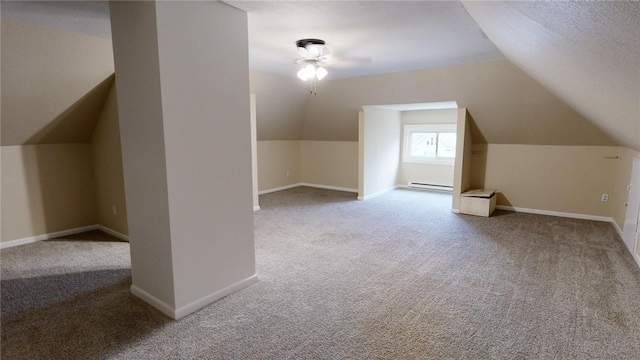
(87, 17)
(365, 37)
(586, 53)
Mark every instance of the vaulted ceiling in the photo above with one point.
(585, 53)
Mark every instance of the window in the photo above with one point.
(430, 144)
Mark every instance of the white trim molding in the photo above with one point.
(194, 306)
(384, 191)
(256, 208)
(153, 301)
(202, 302)
(555, 213)
(329, 187)
(286, 187)
(615, 226)
(635, 256)
(113, 233)
(318, 186)
(32, 239)
(53, 235)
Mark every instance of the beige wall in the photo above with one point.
(567, 179)
(330, 163)
(380, 147)
(427, 173)
(50, 83)
(45, 189)
(622, 178)
(275, 158)
(107, 168)
(507, 105)
(281, 104)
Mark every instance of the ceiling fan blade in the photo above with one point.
(304, 53)
(324, 58)
(348, 61)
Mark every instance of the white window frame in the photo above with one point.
(408, 129)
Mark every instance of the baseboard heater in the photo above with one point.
(417, 185)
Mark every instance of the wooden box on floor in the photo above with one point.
(480, 202)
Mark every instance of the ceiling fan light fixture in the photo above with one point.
(315, 50)
(313, 54)
(321, 72)
(302, 74)
(310, 71)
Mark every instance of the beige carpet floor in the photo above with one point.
(395, 277)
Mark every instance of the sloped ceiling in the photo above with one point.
(507, 105)
(586, 53)
(365, 37)
(54, 83)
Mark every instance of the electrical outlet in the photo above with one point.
(288, 173)
(604, 198)
(114, 210)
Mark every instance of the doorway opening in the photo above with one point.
(413, 145)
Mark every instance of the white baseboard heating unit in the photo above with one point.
(417, 185)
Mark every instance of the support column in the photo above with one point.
(183, 94)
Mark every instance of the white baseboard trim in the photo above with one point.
(194, 306)
(370, 196)
(635, 256)
(114, 233)
(615, 226)
(199, 304)
(329, 187)
(153, 301)
(455, 211)
(32, 239)
(256, 208)
(555, 213)
(319, 186)
(279, 188)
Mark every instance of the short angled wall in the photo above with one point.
(330, 163)
(563, 179)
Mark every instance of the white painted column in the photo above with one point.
(183, 94)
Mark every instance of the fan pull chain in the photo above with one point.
(314, 85)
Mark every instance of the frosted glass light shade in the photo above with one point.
(321, 73)
(310, 71)
(302, 74)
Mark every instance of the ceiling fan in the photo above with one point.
(313, 54)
